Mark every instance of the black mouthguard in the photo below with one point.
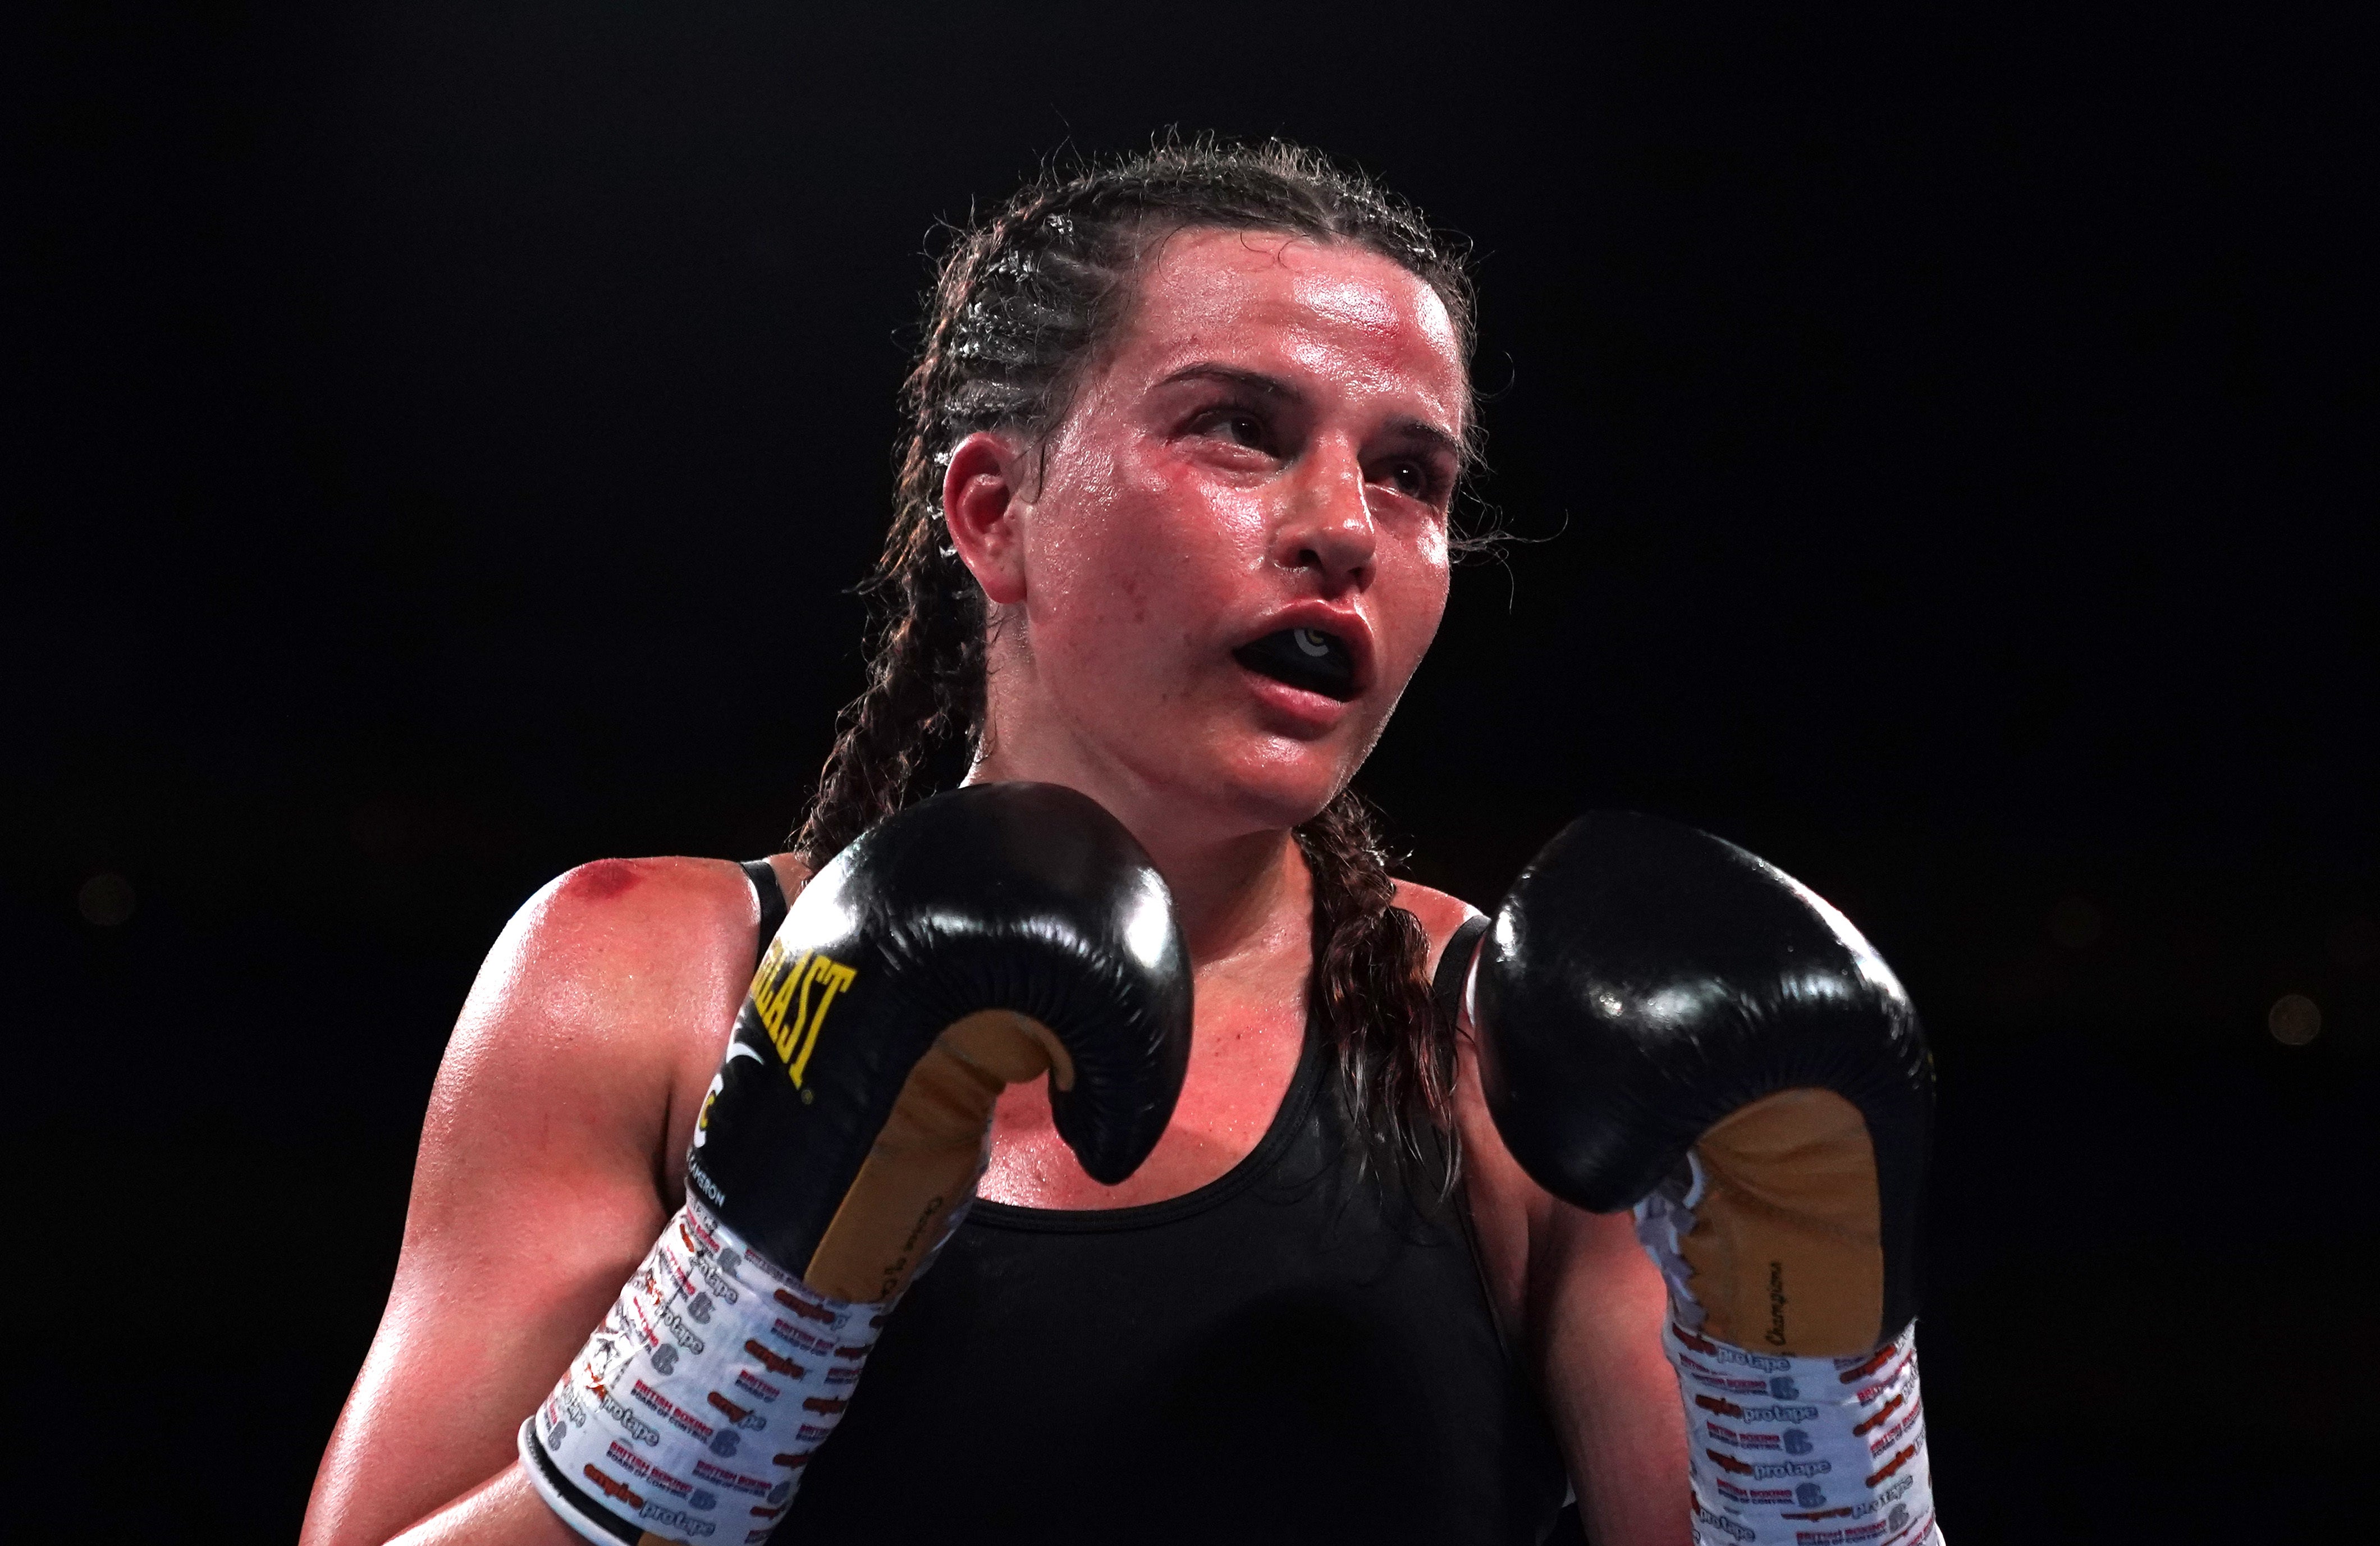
(1305, 658)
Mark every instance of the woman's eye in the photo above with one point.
(1238, 427)
(1410, 478)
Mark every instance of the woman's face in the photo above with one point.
(1215, 579)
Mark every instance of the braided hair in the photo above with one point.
(1022, 303)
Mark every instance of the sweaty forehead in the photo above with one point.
(1271, 303)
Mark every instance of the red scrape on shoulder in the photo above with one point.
(604, 880)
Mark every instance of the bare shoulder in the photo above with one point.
(1438, 913)
(600, 992)
(628, 924)
(592, 965)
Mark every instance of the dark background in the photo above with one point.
(444, 436)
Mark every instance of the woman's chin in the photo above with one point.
(1205, 792)
(1288, 792)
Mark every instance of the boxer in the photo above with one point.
(1173, 529)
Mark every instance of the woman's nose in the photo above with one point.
(1329, 524)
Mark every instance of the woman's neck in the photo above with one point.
(1232, 895)
(1235, 896)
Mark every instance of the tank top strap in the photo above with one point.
(770, 896)
(1454, 969)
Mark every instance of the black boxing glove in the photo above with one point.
(1669, 1024)
(976, 940)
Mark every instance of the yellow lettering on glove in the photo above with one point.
(782, 984)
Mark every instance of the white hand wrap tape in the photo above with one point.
(1804, 1452)
(693, 1407)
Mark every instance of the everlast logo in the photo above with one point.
(1775, 1336)
(785, 985)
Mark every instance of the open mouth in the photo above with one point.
(1305, 658)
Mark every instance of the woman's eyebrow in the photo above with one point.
(1427, 432)
(1233, 375)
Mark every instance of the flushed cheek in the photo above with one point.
(1114, 646)
(1170, 572)
(1128, 607)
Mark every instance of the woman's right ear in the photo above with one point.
(981, 511)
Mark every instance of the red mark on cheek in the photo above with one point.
(604, 879)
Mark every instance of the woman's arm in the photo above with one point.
(1579, 1299)
(1584, 1305)
(1596, 1305)
(544, 1174)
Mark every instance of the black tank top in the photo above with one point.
(1290, 1353)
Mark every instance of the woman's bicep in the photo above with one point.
(486, 1309)
(534, 1196)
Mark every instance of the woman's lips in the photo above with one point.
(1303, 710)
(1314, 659)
